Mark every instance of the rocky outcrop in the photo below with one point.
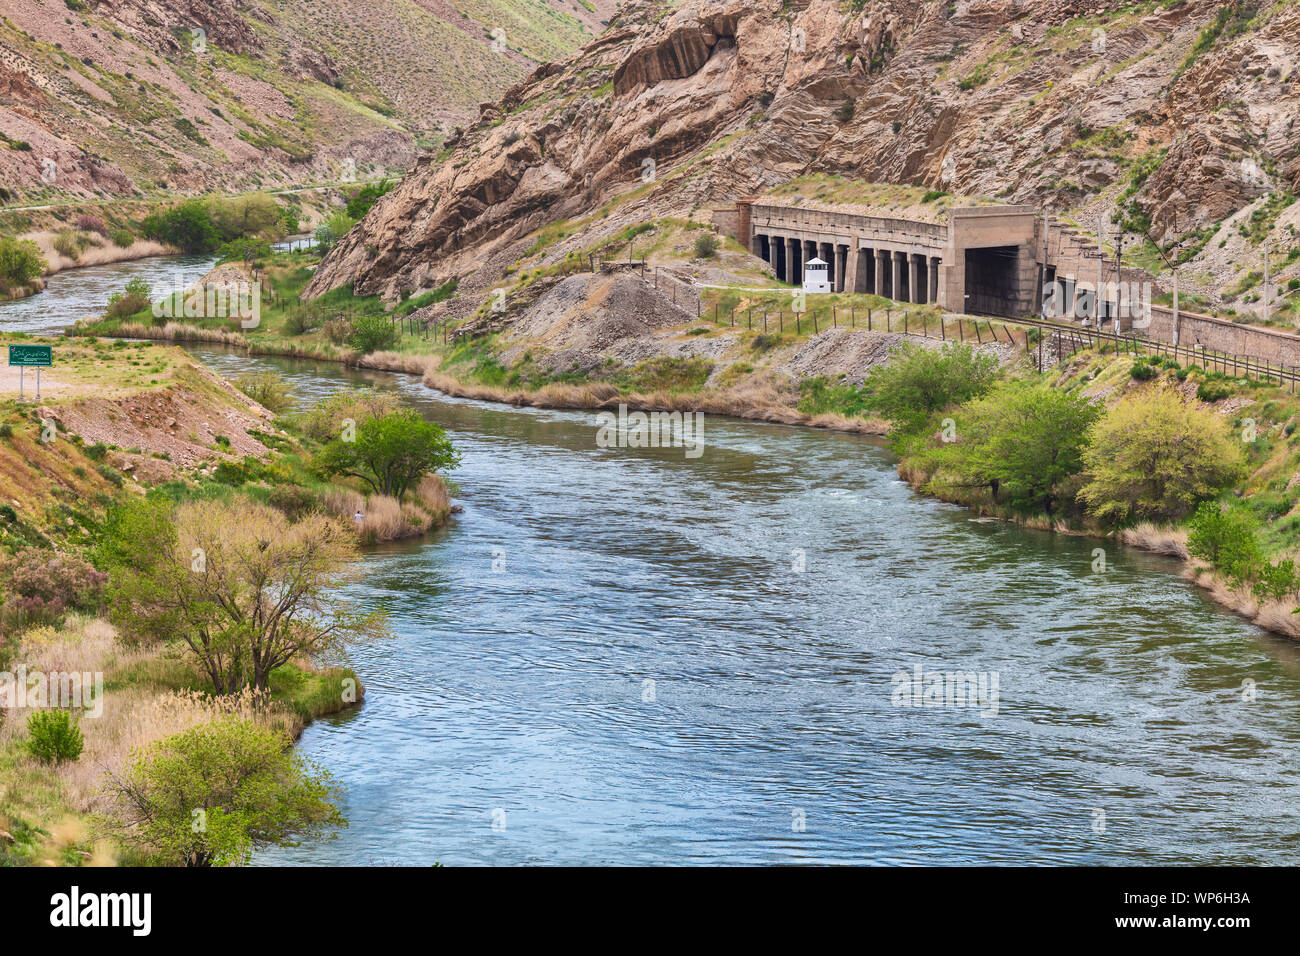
(1066, 103)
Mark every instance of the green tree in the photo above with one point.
(245, 589)
(1023, 440)
(246, 250)
(918, 381)
(390, 453)
(20, 262)
(1154, 456)
(1277, 581)
(187, 226)
(372, 332)
(241, 217)
(211, 795)
(1228, 539)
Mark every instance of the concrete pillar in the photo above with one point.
(916, 280)
(852, 268)
(744, 217)
(884, 273)
(898, 277)
(865, 280)
(794, 261)
(842, 268)
(932, 287)
(777, 247)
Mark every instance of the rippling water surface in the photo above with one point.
(524, 690)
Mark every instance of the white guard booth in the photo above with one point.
(815, 276)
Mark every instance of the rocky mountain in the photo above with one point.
(125, 97)
(1177, 118)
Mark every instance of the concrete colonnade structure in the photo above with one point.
(981, 259)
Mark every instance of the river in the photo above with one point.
(612, 657)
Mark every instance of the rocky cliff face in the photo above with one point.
(1170, 115)
(130, 96)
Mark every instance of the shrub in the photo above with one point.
(338, 329)
(293, 501)
(97, 451)
(372, 332)
(54, 736)
(844, 112)
(137, 297)
(253, 789)
(1212, 391)
(187, 226)
(123, 238)
(68, 244)
(41, 585)
(1142, 371)
(706, 244)
(1227, 538)
(1021, 440)
(20, 262)
(366, 197)
(918, 381)
(1155, 457)
(1277, 581)
(94, 224)
(302, 321)
(268, 389)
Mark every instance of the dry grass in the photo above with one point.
(179, 332)
(1161, 539)
(384, 518)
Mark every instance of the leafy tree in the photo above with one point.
(1153, 456)
(1024, 440)
(372, 332)
(1277, 581)
(391, 453)
(1227, 538)
(211, 795)
(918, 381)
(246, 216)
(188, 227)
(241, 586)
(20, 262)
(246, 250)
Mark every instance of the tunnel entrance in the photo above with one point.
(992, 281)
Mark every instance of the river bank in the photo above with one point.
(766, 404)
(517, 686)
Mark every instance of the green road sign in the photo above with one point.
(29, 355)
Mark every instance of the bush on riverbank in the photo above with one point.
(21, 263)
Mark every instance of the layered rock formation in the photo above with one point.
(1167, 113)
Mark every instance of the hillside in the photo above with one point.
(136, 96)
(1175, 117)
